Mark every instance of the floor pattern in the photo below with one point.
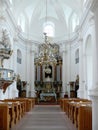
(45, 117)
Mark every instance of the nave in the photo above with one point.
(45, 117)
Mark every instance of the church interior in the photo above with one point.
(49, 64)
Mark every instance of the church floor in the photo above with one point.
(45, 117)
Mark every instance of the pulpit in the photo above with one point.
(6, 78)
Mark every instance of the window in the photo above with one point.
(77, 56)
(19, 56)
(49, 29)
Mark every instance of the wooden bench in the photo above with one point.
(6, 116)
(20, 108)
(76, 109)
(85, 117)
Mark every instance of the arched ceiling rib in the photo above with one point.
(58, 12)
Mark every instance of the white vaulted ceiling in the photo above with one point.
(32, 14)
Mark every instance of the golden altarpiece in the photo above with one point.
(48, 79)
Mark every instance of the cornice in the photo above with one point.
(28, 41)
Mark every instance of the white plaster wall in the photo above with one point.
(74, 67)
(21, 68)
(88, 29)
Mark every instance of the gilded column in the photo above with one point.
(60, 70)
(41, 74)
(55, 73)
(35, 72)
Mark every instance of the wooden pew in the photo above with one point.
(20, 108)
(4, 116)
(33, 101)
(85, 117)
(27, 101)
(11, 111)
(72, 109)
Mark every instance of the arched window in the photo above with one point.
(49, 29)
(19, 56)
(77, 56)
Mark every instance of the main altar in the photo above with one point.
(48, 82)
(48, 72)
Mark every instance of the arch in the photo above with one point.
(49, 28)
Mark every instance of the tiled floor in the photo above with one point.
(45, 117)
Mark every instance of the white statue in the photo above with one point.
(6, 39)
(5, 46)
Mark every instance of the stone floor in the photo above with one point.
(45, 117)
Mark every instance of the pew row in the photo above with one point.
(85, 118)
(79, 112)
(7, 116)
(13, 110)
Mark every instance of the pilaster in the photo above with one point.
(64, 86)
(93, 93)
(81, 70)
(94, 110)
(32, 72)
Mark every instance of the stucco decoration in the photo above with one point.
(5, 46)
